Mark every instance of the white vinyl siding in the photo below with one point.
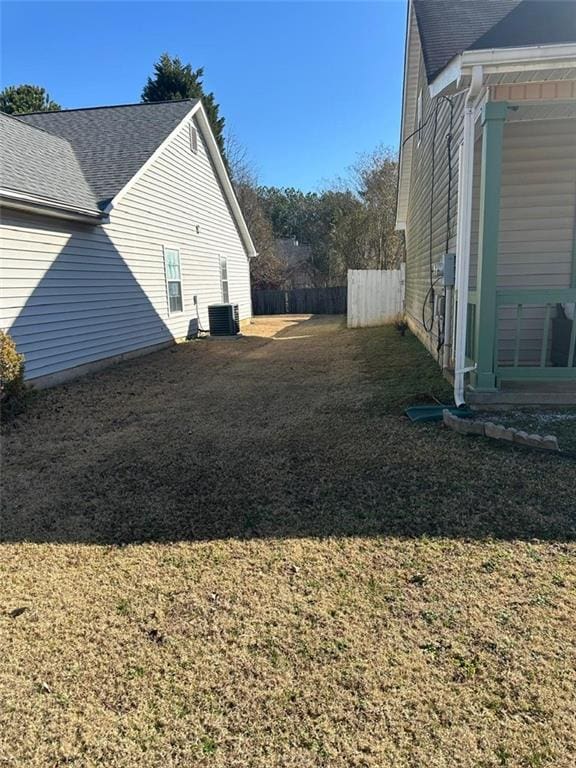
(73, 294)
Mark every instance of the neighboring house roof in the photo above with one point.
(80, 158)
(449, 27)
(113, 143)
(42, 166)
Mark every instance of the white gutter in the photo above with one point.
(465, 180)
(24, 202)
(555, 55)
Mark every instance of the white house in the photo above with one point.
(119, 227)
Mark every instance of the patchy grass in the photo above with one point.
(242, 554)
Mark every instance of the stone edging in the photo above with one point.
(499, 432)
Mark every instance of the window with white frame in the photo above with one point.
(224, 279)
(193, 138)
(173, 279)
(419, 117)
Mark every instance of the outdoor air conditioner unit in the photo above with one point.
(224, 319)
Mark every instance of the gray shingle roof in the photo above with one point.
(449, 27)
(43, 165)
(112, 143)
(533, 22)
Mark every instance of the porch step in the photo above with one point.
(515, 393)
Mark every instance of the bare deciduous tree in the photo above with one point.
(266, 270)
(365, 238)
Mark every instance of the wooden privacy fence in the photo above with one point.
(375, 296)
(300, 301)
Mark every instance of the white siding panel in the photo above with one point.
(73, 293)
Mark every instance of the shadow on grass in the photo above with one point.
(298, 435)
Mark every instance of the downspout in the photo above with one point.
(465, 181)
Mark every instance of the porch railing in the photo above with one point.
(535, 334)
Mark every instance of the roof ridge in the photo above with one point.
(111, 106)
(31, 125)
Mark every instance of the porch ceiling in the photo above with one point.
(530, 76)
(546, 110)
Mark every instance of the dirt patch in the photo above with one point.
(242, 554)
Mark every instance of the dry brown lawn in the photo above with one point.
(241, 554)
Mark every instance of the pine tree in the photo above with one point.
(174, 80)
(16, 99)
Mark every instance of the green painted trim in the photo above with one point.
(545, 336)
(573, 272)
(527, 373)
(535, 296)
(494, 110)
(572, 344)
(493, 117)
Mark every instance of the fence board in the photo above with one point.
(375, 296)
(300, 301)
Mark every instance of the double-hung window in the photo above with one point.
(173, 279)
(224, 279)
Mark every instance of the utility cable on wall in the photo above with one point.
(429, 298)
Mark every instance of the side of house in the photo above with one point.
(488, 177)
(75, 293)
(431, 134)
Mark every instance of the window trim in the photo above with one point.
(165, 249)
(221, 260)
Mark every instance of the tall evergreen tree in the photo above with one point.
(174, 80)
(16, 99)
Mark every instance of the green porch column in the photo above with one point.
(493, 118)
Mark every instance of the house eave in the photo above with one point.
(23, 201)
(412, 55)
(226, 182)
(496, 61)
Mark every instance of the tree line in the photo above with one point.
(347, 225)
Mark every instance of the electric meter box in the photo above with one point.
(445, 269)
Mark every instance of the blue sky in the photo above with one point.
(304, 86)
